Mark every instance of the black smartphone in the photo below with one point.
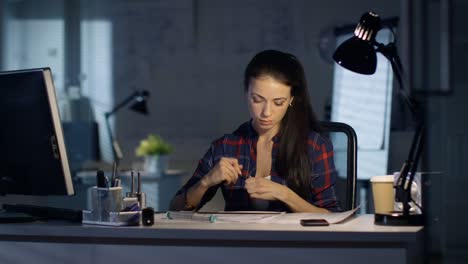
(314, 222)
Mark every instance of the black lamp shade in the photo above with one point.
(357, 55)
(139, 105)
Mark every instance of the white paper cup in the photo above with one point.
(383, 193)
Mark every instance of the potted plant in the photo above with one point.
(154, 150)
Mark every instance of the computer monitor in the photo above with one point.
(33, 157)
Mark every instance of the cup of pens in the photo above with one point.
(104, 201)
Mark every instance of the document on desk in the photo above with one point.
(283, 218)
(223, 216)
(247, 217)
(295, 218)
(253, 217)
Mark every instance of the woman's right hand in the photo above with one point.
(227, 170)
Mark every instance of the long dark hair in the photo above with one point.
(292, 161)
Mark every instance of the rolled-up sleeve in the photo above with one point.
(205, 164)
(324, 174)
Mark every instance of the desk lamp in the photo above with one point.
(358, 54)
(139, 105)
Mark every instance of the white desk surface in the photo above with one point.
(360, 228)
(171, 242)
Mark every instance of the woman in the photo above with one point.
(277, 161)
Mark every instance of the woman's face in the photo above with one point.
(268, 101)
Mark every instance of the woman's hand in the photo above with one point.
(227, 170)
(261, 188)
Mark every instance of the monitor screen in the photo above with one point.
(33, 158)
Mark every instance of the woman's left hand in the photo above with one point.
(261, 188)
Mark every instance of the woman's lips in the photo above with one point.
(265, 122)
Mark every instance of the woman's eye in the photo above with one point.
(279, 103)
(257, 100)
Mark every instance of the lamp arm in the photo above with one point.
(121, 104)
(390, 52)
(408, 170)
(116, 150)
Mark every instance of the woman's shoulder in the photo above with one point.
(238, 135)
(317, 141)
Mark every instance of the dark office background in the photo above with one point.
(191, 55)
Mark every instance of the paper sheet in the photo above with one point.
(247, 218)
(295, 218)
(262, 217)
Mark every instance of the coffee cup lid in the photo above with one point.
(383, 178)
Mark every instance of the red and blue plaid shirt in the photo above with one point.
(242, 145)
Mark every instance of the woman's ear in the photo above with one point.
(291, 101)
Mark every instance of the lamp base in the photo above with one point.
(396, 218)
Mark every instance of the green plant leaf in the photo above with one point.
(153, 145)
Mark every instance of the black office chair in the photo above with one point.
(344, 141)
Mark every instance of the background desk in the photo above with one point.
(159, 190)
(357, 241)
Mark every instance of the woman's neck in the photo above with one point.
(266, 134)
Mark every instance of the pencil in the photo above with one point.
(191, 216)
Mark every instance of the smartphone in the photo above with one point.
(314, 222)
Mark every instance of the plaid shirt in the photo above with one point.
(242, 145)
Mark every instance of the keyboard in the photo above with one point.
(45, 212)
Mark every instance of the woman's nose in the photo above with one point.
(266, 111)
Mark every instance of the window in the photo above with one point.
(35, 40)
(34, 35)
(364, 102)
(96, 69)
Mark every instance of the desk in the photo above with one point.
(356, 241)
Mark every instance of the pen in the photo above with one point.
(132, 187)
(114, 171)
(139, 183)
(102, 181)
(140, 195)
(131, 193)
(191, 216)
(116, 183)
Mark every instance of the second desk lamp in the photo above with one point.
(139, 99)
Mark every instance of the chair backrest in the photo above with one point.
(345, 156)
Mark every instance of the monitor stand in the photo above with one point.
(13, 217)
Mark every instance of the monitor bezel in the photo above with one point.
(60, 137)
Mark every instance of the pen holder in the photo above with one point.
(142, 199)
(105, 201)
